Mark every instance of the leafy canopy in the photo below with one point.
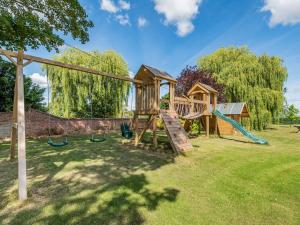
(32, 23)
(256, 80)
(78, 94)
(33, 93)
(292, 113)
(191, 75)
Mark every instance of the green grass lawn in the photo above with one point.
(223, 181)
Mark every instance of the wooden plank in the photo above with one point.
(21, 130)
(178, 137)
(65, 65)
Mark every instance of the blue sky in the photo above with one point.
(170, 34)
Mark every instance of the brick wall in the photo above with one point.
(37, 124)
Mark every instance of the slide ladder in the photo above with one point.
(242, 129)
(177, 135)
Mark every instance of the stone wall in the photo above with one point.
(37, 124)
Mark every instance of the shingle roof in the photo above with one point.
(230, 108)
(159, 73)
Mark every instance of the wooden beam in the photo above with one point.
(65, 65)
(139, 136)
(10, 59)
(14, 124)
(21, 129)
(27, 63)
(154, 130)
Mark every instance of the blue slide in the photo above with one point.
(242, 129)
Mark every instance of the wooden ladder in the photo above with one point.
(176, 133)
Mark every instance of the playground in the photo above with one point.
(222, 181)
(107, 118)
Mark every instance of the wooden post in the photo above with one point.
(136, 129)
(214, 105)
(21, 129)
(172, 94)
(156, 99)
(154, 129)
(192, 104)
(14, 124)
(157, 90)
(207, 125)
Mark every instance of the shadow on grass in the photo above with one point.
(238, 140)
(83, 183)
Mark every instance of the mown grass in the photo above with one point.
(223, 181)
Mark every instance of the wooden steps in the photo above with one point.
(176, 133)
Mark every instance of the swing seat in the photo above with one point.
(126, 132)
(57, 144)
(100, 139)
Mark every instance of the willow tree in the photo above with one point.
(256, 80)
(78, 94)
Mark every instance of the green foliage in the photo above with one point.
(164, 105)
(196, 127)
(32, 23)
(256, 80)
(160, 124)
(291, 114)
(73, 93)
(33, 93)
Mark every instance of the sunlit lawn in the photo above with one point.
(223, 181)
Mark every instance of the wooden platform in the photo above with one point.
(176, 133)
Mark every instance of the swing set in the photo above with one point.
(125, 128)
(147, 104)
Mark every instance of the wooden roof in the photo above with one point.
(144, 69)
(203, 87)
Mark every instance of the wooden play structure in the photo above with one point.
(148, 104)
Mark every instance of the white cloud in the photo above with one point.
(131, 74)
(124, 5)
(286, 12)
(39, 79)
(179, 13)
(123, 19)
(109, 6)
(142, 22)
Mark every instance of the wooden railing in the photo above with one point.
(183, 106)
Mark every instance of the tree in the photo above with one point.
(292, 113)
(33, 93)
(256, 80)
(192, 74)
(74, 94)
(32, 23)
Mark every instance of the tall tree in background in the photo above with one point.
(33, 93)
(73, 92)
(292, 113)
(191, 75)
(256, 80)
(32, 23)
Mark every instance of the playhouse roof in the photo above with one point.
(156, 73)
(237, 108)
(203, 87)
